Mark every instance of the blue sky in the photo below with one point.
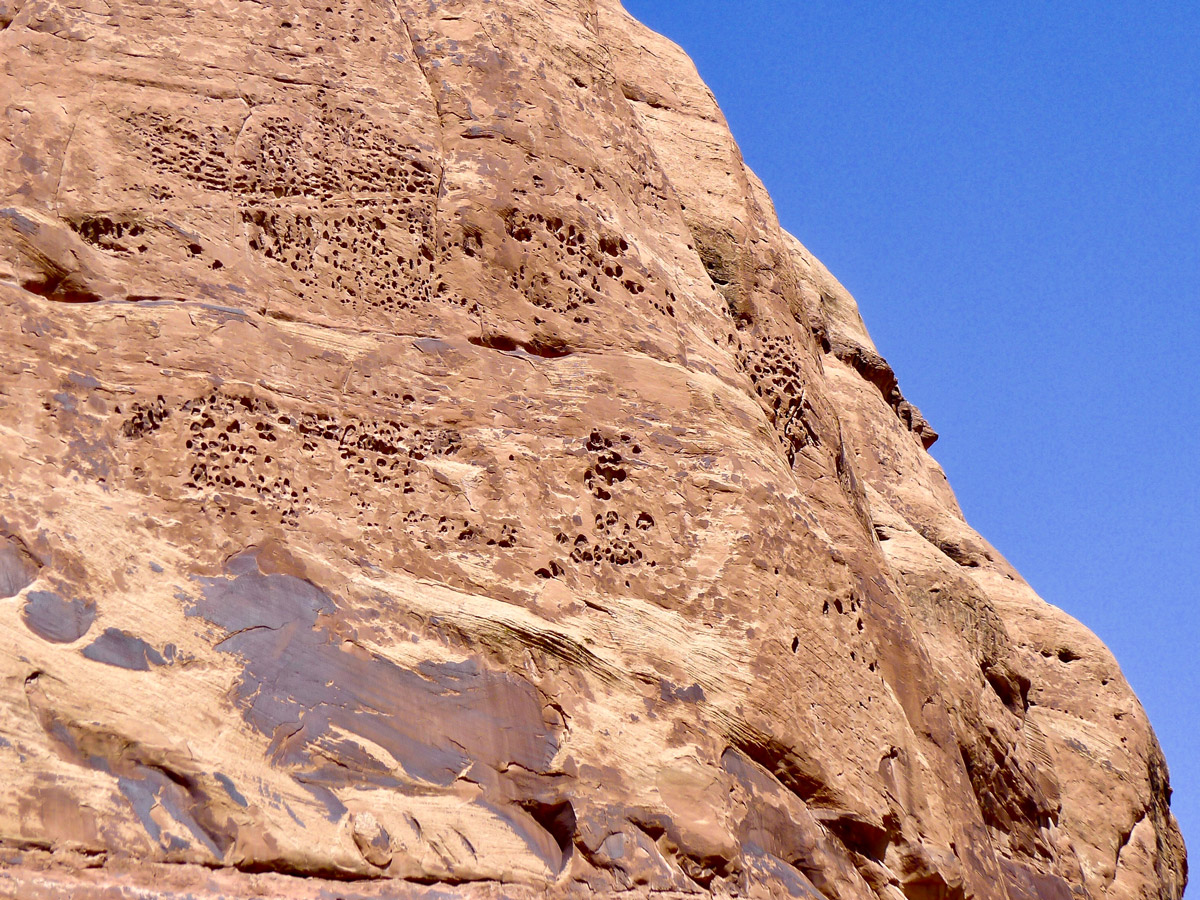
(1012, 193)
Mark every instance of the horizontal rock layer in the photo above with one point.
(428, 466)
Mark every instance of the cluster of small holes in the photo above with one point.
(336, 154)
(468, 533)
(145, 418)
(112, 235)
(1064, 654)
(774, 368)
(177, 145)
(341, 153)
(606, 469)
(381, 452)
(850, 612)
(232, 440)
(446, 533)
(567, 271)
(285, 237)
(373, 256)
(612, 540)
(365, 266)
(347, 28)
(507, 539)
(336, 198)
(614, 537)
(125, 237)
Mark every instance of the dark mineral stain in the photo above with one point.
(18, 568)
(772, 870)
(124, 650)
(51, 617)
(312, 694)
(432, 345)
(669, 692)
(25, 225)
(234, 793)
(141, 797)
(147, 776)
(1026, 883)
(181, 798)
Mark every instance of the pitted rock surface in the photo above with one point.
(430, 471)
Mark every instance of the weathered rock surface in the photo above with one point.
(425, 462)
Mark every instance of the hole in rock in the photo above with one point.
(559, 820)
(535, 347)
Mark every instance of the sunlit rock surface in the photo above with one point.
(428, 470)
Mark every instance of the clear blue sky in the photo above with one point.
(1012, 193)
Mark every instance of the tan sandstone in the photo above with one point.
(427, 469)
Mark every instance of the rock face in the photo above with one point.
(428, 469)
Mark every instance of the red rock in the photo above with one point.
(428, 463)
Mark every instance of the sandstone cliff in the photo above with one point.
(428, 469)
